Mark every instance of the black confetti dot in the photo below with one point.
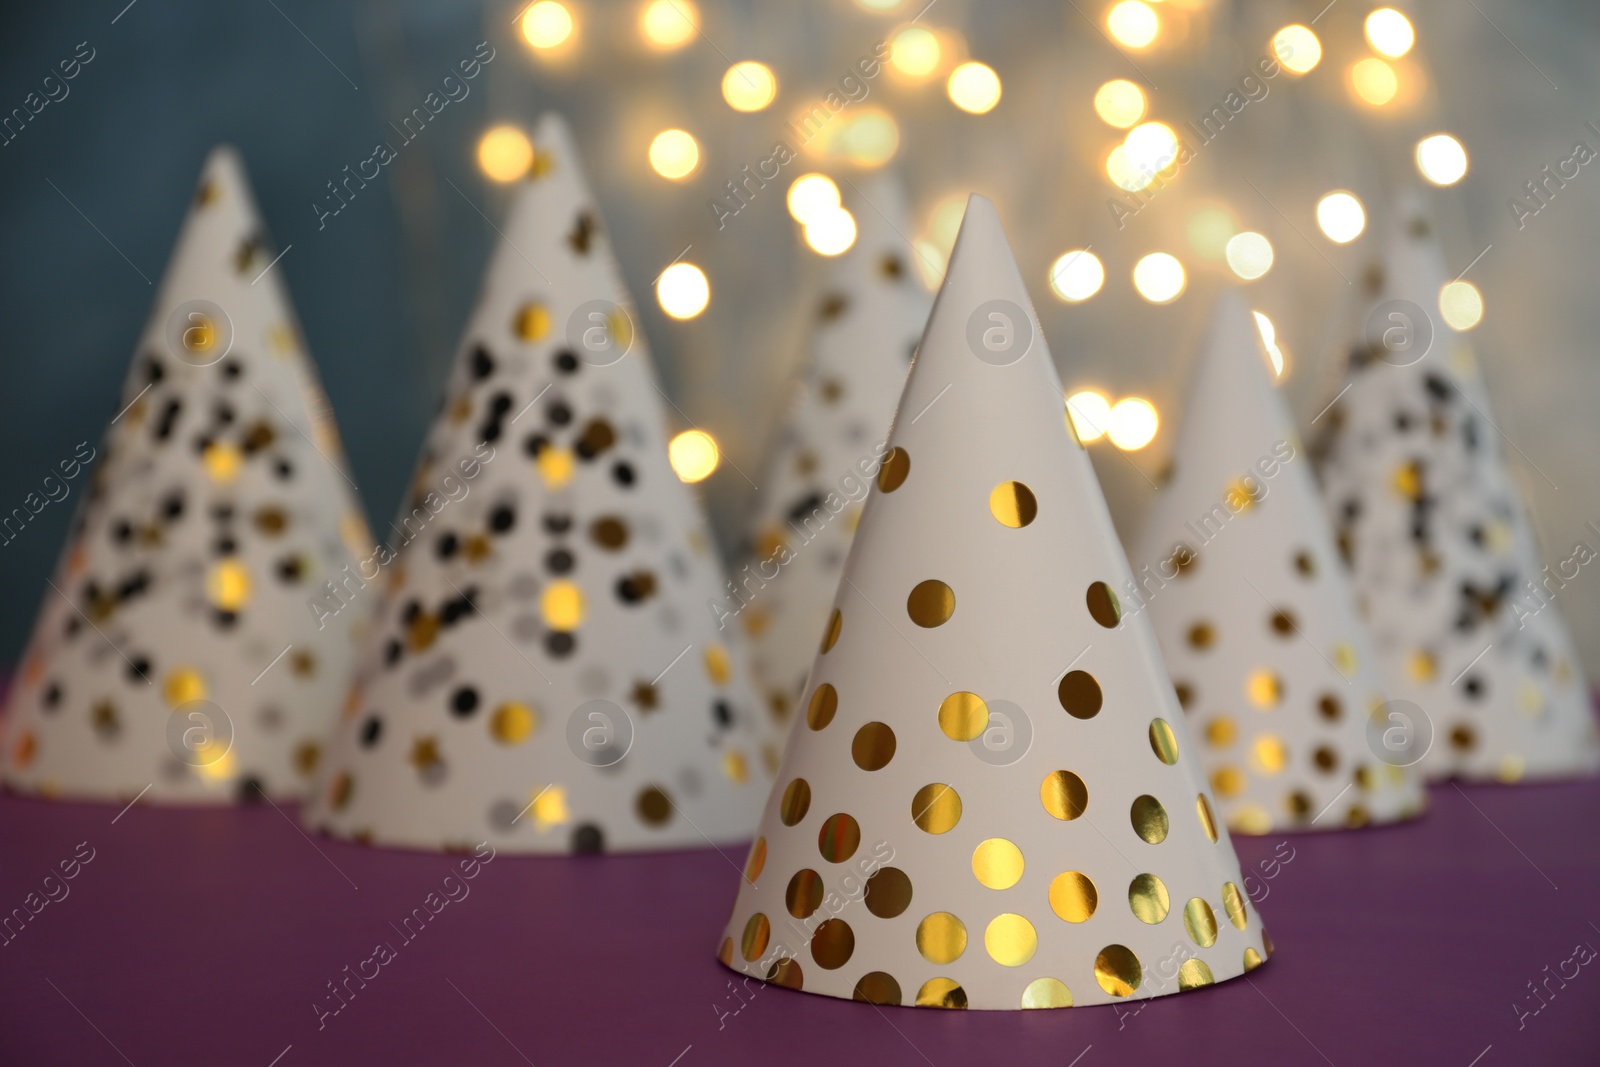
(168, 420)
(232, 369)
(482, 363)
(535, 443)
(464, 701)
(410, 612)
(723, 713)
(557, 523)
(225, 546)
(566, 362)
(392, 652)
(502, 518)
(224, 620)
(447, 546)
(154, 370)
(251, 791)
(559, 561)
(290, 569)
(139, 669)
(559, 414)
(560, 643)
(52, 695)
(501, 403)
(622, 473)
(371, 730)
(172, 506)
(283, 469)
(587, 840)
(1474, 687)
(122, 532)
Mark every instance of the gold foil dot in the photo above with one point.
(1208, 821)
(1264, 689)
(512, 723)
(1201, 636)
(1193, 974)
(561, 605)
(831, 638)
(1283, 624)
(753, 942)
(942, 992)
(1047, 993)
(1250, 819)
(1010, 940)
(1345, 658)
(1147, 899)
(1325, 758)
(1328, 707)
(931, 603)
(757, 860)
(1073, 896)
(1270, 754)
(735, 767)
(1201, 922)
(888, 892)
(1299, 804)
(1149, 819)
(873, 746)
(1305, 564)
(833, 944)
(182, 685)
(725, 952)
(1080, 694)
(228, 585)
(997, 863)
(962, 716)
(222, 462)
(1220, 731)
(1185, 694)
(1463, 738)
(1252, 959)
(653, 805)
(1103, 606)
(787, 973)
(1227, 781)
(804, 894)
(936, 808)
(1233, 903)
(896, 468)
(1063, 795)
(340, 792)
(609, 533)
(941, 938)
(1163, 742)
(1117, 970)
(796, 802)
(718, 666)
(1013, 504)
(877, 987)
(532, 321)
(824, 702)
(839, 838)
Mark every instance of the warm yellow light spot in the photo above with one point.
(1209, 230)
(1151, 147)
(555, 466)
(1124, 173)
(1340, 217)
(1297, 48)
(749, 86)
(914, 52)
(1119, 103)
(561, 605)
(182, 685)
(674, 154)
(1441, 159)
(931, 261)
(512, 722)
(1133, 23)
(870, 139)
(694, 455)
(1270, 754)
(549, 807)
(1133, 423)
(221, 462)
(546, 24)
(669, 24)
(974, 87)
(1374, 81)
(1269, 340)
(683, 290)
(1461, 305)
(1249, 255)
(505, 154)
(997, 863)
(1159, 277)
(1390, 33)
(944, 222)
(830, 233)
(812, 194)
(217, 766)
(1077, 275)
(879, 5)
(1091, 414)
(532, 322)
(228, 585)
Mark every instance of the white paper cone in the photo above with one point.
(175, 649)
(544, 673)
(990, 798)
(1256, 615)
(1463, 614)
(869, 318)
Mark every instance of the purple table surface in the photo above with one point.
(208, 937)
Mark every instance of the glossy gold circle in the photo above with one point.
(931, 603)
(936, 808)
(824, 702)
(1117, 970)
(1063, 795)
(1013, 504)
(1073, 896)
(962, 716)
(895, 470)
(941, 938)
(1147, 899)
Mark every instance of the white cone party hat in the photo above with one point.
(544, 674)
(1425, 510)
(1256, 614)
(991, 799)
(176, 649)
(869, 318)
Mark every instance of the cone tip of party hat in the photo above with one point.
(224, 166)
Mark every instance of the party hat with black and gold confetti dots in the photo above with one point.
(177, 656)
(544, 674)
(990, 799)
(868, 319)
(1465, 615)
(1256, 615)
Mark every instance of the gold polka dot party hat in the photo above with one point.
(990, 798)
(867, 321)
(1464, 613)
(1255, 612)
(175, 657)
(544, 673)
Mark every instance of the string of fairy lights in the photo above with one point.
(1386, 75)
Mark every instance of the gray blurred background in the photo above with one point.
(305, 88)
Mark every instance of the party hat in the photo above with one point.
(544, 674)
(1256, 615)
(1445, 560)
(991, 799)
(176, 655)
(835, 436)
